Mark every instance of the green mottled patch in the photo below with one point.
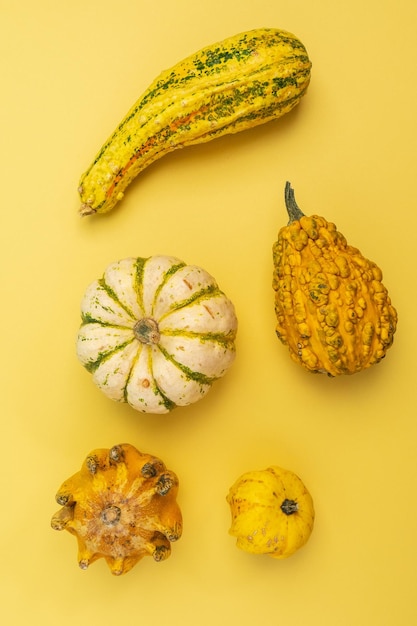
(168, 274)
(164, 400)
(92, 366)
(225, 340)
(198, 377)
(138, 280)
(203, 294)
(112, 294)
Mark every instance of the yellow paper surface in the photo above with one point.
(69, 73)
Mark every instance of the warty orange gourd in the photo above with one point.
(333, 311)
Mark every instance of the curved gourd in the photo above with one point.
(236, 84)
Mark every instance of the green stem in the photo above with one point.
(293, 210)
(146, 331)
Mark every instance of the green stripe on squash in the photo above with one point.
(92, 366)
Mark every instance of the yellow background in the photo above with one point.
(69, 72)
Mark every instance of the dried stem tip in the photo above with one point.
(289, 507)
(293, 210)
(146, 331)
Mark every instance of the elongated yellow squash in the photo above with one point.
(241, 82)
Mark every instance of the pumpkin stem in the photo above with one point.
(289, 507)
(110, 515)
(293, 210)
(146, 331)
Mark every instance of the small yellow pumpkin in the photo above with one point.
(333, 312)
(121, 506)
(156, 333)
(272, 512)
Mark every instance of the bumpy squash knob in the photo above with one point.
(121, 506)
(272, 512)
(333, 311)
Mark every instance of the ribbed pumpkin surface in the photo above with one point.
(156, 333)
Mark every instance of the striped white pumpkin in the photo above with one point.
(156, 333)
